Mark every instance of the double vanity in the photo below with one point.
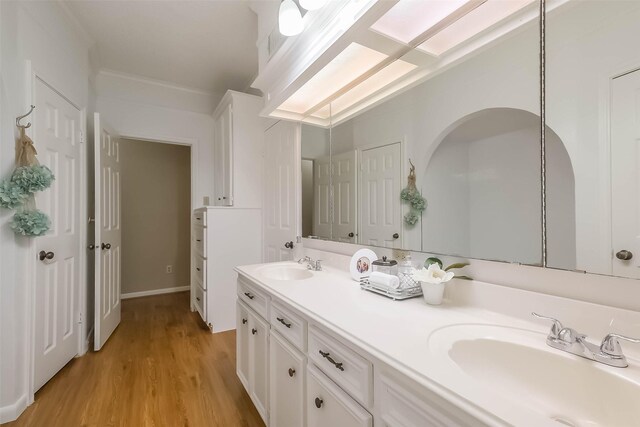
(314, 349)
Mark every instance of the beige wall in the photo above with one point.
(156, 211)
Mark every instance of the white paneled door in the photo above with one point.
(321, 195)
(57, 137)
(380, 186)
(344, 226)
(282, 190)
(107, 232)
(625, 175)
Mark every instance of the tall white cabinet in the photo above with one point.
(238, 151)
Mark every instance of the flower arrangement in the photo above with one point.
(31, 223)
(11, 196)
(432, 274)
(433, 278)
(32, 178)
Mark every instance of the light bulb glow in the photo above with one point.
(289, 19)
(312, 4)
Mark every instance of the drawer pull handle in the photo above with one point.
(198, 268)
(198, 298)
(254, 331)
(281, 320)
(338, 365)
(198, 218)
(292, 372)
(248, 295)
(244, 321)
(198, 240)
(319, 402)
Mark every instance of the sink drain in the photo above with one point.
(564, 421)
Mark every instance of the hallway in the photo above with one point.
(161, 367)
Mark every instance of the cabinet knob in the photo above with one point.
(318, 402)
(292, 372)
(254, 331)
(244, 321)
(197, 298)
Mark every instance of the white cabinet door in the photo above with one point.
(282, 211)
(223, 158)
(287, 385)
(380, 186)
(259, 364)
(625, 175)
(242, 344)
(328, 405)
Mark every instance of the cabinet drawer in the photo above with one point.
(199, 241)
(290, 325)
(327, 405)
(347, 368)
(253, 298)
(199, 267)
(200, 218)
(200, 302)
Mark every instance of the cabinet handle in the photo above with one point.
(281, 320)
(198, 268)
(198, 240)
(319, 402)
(198, 298)
(338, 365)
(254, 331)
(249, 295)
(292, 372)
(244, 321)
(198, 218)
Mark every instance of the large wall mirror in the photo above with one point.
(593, 135)
(451, 163)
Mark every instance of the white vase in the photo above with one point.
(432, 292)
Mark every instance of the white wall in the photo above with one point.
(43, 33)
(140, 118)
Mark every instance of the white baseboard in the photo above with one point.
(12, 412)
(155, 292)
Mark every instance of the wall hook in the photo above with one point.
(22, 117)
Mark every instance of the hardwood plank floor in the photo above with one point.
(161, 367)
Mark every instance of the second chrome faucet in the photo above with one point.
(608, 352)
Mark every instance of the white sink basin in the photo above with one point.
(518, 365)
(286, 272)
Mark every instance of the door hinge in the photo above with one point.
(80, 318)
(82, 137)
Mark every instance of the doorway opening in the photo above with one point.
(156, 217)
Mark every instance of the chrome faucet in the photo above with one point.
(311, 264)
(566, 339)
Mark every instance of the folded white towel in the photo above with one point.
(385, 279)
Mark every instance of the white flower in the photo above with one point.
(433, 274)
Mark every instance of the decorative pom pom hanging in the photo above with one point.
(32, 178)
(31, 223)
(411, 195)
(11, 196)
(411, 218)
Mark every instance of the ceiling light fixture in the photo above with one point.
(312, 4)
(289, 19)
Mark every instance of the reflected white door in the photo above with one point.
(321, 196)
(282, 190)
(344, 226)
(625, 175)
(107, 232)
(380, 186)
(57, 137)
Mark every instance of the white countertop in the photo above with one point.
(398, 332)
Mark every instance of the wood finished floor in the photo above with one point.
(161, 367)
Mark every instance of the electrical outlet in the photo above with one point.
(169, 269)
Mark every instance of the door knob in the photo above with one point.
(624, 255)
(45, 255)
(351, 234)
(91, 247)
(288, 245)
(106, 246)
(396, 235)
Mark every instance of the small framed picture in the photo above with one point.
(361, 263)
